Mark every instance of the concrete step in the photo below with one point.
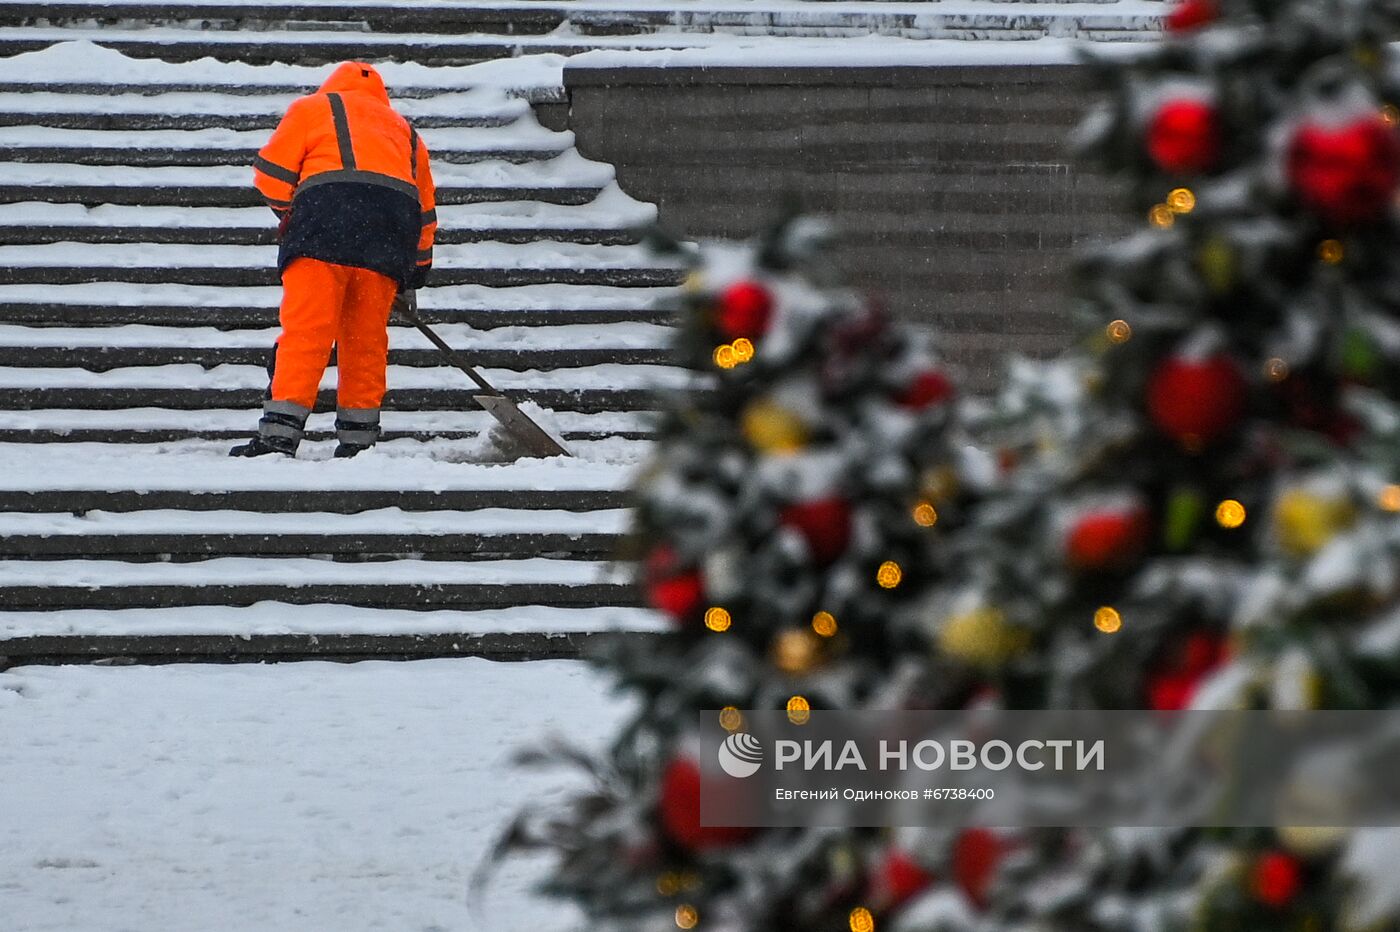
(231, 317)
(398, 399)
(369, 535)
(15, 234)
(177, 195)
(101, 359)
(27, 585)
(245, 277)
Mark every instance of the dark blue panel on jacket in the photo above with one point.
(366, 226)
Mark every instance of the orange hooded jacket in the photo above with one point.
(355, 178)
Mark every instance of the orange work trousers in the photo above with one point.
(325, 305)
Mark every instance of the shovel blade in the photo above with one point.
(531, 437)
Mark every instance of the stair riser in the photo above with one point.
(238, 318)
(398, 399)
(103, 359)
(204, 158)
(266, 236)
(392, 596)
(236, 278)
(128, 122)
(307, 501)
(190, 196)
(355, 547)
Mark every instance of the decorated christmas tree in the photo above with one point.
(787, 529)
(1196, 506)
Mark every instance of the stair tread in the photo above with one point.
(280, 618)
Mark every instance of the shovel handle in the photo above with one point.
(407, 304)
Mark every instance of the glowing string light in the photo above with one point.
(718, 619)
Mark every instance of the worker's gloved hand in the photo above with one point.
(419, 277)
(282, 225)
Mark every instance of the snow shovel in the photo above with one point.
(530, 436)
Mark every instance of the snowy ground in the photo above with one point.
(300, 797)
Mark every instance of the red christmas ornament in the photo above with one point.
(1196, 401)
(825, 524)
(1348, 174)
(1190, 15)
(678, 593)
(896, 878)
(1107, 538)
(1276, 879)
(680, 810)
(928, 388)
(976, 855)
(1183, 136)
(745, 309)
(1174, 686)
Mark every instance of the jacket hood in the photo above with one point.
(355, 76)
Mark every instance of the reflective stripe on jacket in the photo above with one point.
(355, 176)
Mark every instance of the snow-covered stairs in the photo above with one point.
(137, 312)
(456, 32)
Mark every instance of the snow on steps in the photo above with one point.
(458, 33)
(137, 310)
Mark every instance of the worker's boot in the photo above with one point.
(357, 429)
(279, 431)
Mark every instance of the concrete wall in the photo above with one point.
(952, 184)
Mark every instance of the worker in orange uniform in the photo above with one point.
(350, 183)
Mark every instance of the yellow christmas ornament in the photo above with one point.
(795, 651)
(772, 428)
(1218, 264)
(982, 637)
(1305, 521)
(939, 484)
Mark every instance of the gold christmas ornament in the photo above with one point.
(1388, 499)
(889, 575)
(1119, 332)
(862, 920)
(1108, 620)
(982, 637)
(771, 428)
(1230, 514)
(686, 917)
(925, 515)
(1304, 521)
(1182, 200)
(730, 718)
(795, 650)
(799, 710)
(824, 623)
(718, 619)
